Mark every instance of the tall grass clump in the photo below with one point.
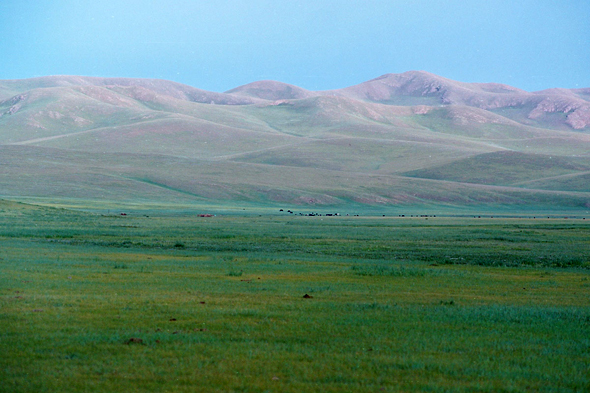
(390, 271)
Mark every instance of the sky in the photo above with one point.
(315, 44)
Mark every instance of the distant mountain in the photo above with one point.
(154, 86)
(418, 87)
(271, 90)
(411, 138)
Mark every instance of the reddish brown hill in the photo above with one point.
(158, 86)
(271, 90)
(574, 93)
(389, 87)
(582, 93)
(401, 138)
(419, 87)
(551, 108)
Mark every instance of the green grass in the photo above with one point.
(575, 182)
(141, 179)
(397, 304)
(507, 168)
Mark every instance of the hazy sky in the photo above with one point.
(315, 44)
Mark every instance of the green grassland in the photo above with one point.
(491, 294)
(178, 303)
(507, 168)
(60, 174)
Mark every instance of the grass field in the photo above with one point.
(179, 303)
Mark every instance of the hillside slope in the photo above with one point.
(418, 87)
(412, 138)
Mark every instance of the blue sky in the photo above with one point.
(218, 45)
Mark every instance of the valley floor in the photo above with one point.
(269, 303)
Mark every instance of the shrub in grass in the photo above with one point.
(371, 306)
(384, 270)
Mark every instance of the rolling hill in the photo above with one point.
(400, 139)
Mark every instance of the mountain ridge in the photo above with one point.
(403, 138)
(410, 88)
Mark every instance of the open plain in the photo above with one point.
(261, 301)
(294, 196)
(410, 233)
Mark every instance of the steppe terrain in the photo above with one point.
(397, 140)
(410, 233)
(95, 302)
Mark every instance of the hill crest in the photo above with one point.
(271, 90)
(396, 139)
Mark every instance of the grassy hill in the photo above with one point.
(393, 141)
(506, 168)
